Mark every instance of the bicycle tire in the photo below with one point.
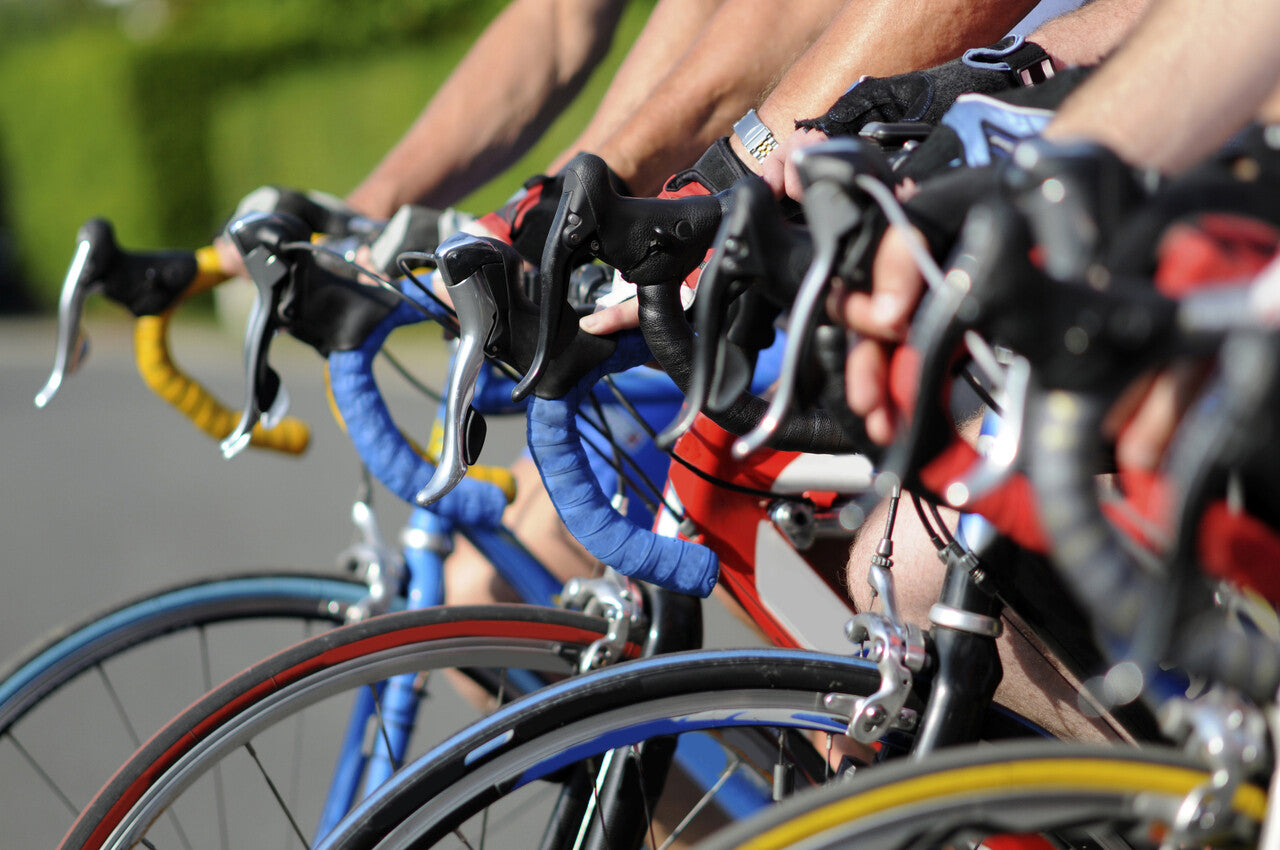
(49, 671)
(505, 636)
(1010, 788)
(603, 711)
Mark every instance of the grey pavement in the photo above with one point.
(108, 492)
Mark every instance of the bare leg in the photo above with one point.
(471, 580)
(1033, 685)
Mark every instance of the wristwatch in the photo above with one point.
(755, 137)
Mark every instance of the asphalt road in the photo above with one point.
(109, 494)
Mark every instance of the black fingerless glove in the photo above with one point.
(925, 95)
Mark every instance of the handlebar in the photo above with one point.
(151, 285)
(585, 509)
(649, 240)
(385, 451)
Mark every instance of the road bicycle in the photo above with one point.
(1214, 791)
(102, 263)
(409, 489)
(503, 754)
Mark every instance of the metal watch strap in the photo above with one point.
(755, 136)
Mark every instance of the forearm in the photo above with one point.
(1167, 97)
(881, 38)
(1090, 33)
(672, 28)
(529, 63)
(740, 55)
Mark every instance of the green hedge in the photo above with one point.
(163, 137)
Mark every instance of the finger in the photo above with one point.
(896, 286)
(879, 424)
(791, 176)
(228, 257)
(791, 180)
(1146, 436)
(773, 172)
(612, 319)
(866, 374)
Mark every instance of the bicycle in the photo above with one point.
(198, 606)
(223, 434)
(508, 767)
(1213, 791)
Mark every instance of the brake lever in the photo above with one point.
(754, 247)
(998, 461)
(82, 280)
(466, 263)
(650, 240)
(259, 237)
(834, 209)
(145, 283)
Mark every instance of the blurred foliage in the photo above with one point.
(161, 123)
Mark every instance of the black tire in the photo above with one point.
(758, 691)
(73, 705)
(257, 702)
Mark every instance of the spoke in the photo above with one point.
(702, 803)
(382, 727)
(132, 732)
(119, 705)
(297, 830)
(644, 797)
(219, 794)
(594, 810)
(458, 834)
(295, 781)
(45, 777)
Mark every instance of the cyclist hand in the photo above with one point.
(925, 95)
(780, 172)
(881, 319)
(619, 317)
(228, 257)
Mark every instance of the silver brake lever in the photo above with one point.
(73, 344)
(256, 236)
(463, 262)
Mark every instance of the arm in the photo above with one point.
(880, 38)
(673, 26)
(526, 66)
(1168, 97)
(738, 57)
(1081, 37)
(1087, 35)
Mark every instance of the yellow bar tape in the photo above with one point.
(162, 375)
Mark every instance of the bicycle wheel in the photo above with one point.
(744, 699)
(234, 747)
(76, 704)
(1077, 795)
